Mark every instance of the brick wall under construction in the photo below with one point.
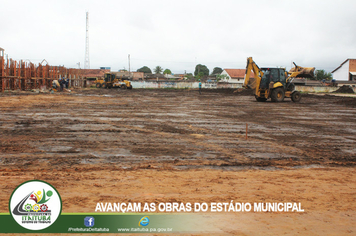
(27, 76)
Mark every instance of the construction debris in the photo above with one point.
(345, 89)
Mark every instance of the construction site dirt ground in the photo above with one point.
(102, 145)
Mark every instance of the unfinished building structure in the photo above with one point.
(27, 76)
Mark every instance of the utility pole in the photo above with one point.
(87, 62)
(129, 66)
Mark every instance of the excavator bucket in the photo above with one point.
(302, 72)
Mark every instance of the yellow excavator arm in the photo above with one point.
(252, 66)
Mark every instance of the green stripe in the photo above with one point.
(96, 213)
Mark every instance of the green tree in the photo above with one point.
(158, 70)
(189, 76)
(217, 70)
(167, 71)
(221, 77)
(322, 74)
(201, 68)
(145, 70)
(199, 76)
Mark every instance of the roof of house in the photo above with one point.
(94, 72)
(180, 75)
(155, 76)
(238, 73)
(168, 76)
(342, 64)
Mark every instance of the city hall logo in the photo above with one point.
(35, 205)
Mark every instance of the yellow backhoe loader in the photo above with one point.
(275, 83)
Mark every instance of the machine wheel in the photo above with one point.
(296, 96)
(277, 95)
(98, 85)
(123, 86)
(129, 87)
(259, 99)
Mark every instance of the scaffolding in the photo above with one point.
(26, 76)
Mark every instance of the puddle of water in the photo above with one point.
(228, 168)
(90, 161)
(266, 155)
(7, 126)
(352, 151)
(205, 155)
(307, 166)
(91, 127)
(58, 149)
(262, 155)
(111, 119)
(247, 167)
(50, 114)
(111, 153)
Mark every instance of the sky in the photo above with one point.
(178, 35)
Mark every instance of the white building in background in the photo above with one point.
(346, 71)
(235, 76)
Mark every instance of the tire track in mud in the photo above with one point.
(192, 135)
(189, 130)
(190, 138)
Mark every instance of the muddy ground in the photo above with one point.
(176, 145)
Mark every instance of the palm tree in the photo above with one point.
(158, 70)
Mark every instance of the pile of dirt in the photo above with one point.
(345, 89)
(244, 92)
(219, 90)
(231, 91)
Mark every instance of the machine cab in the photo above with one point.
(109, 77)
(272, 75)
